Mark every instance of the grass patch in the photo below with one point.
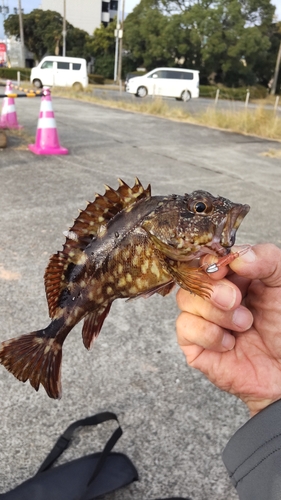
(261, 122)
(272, 153)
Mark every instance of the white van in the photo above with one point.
(61, 72)
(183, 84)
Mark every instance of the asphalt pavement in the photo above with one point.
(175, 422)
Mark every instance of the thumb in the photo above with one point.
(261, 262)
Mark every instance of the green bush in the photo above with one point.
(96, 79)
(237, 94)
(104, 65)
(12, 73)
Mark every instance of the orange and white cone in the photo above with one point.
(9, 116)
(47, 140)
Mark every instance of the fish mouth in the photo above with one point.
(225, 235)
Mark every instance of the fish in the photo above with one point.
(125, 244)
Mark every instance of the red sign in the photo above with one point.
(3, 53)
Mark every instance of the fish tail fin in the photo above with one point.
(34, 357)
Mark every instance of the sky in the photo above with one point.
(29, 5)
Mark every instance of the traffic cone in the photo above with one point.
(47, 140)
(9, 116)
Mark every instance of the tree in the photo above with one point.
(102, 46)
(43, 33)
(235, 46)
(227, 40)
(144, 35)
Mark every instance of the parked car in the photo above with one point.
(61, 72)
(127, 78)
(183, 84)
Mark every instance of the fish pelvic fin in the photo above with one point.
(36, 358)
(163, 289)
(92, 325)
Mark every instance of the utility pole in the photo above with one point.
(121, 43)
(116, 34)
(276, 72)
(21, 35)
(64, 28)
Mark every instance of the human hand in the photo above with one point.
(234, 337)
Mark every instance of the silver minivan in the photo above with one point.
(183, 84)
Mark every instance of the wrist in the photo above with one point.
(257, 405)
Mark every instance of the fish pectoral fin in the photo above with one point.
(192, 279)
(36, 358)
(92, 325)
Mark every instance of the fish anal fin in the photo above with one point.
(192, 279)
(92, 325)
(35, 358)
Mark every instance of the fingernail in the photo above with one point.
(228, 341)
(248, 257)
(242, 318)
(224, 296)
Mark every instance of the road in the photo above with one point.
(175, 422)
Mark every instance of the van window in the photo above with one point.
(76, 66)
(63, 65)
(173, 74)
(159, 74)
(47, 65)
(187, 75)
(179, 75)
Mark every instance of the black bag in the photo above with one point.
(85, 478)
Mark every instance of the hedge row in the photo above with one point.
(12, 73)
(237, 94)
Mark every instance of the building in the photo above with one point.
(85, 14)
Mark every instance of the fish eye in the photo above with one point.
(200, 207)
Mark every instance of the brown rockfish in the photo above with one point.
(125, 244)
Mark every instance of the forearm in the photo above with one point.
(253, 456)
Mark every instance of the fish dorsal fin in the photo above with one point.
(99, 212)
(87, 225)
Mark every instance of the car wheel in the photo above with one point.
(77, 86)
(185, 96)
(37, 83)
(141, 92)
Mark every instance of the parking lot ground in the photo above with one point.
(175, 422)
